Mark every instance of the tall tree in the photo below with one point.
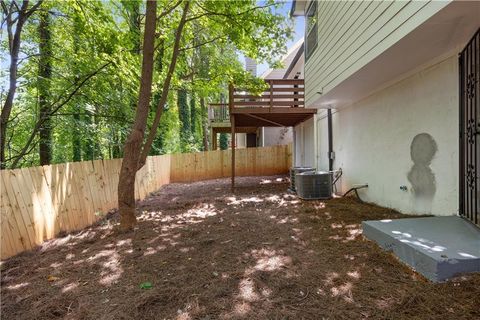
(81, 69)
(244, 24)
(184, 117)
(204, 119)
(76, 131)
(193, 114)
(15, 16)
(133, 145)
(75, 76)
(44, 78)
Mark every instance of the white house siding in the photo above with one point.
(353, 33)
(372, 140)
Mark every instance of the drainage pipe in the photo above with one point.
(330, 140)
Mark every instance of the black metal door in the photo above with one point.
(469, 68)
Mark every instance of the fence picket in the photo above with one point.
(55, 178)
(38, 214)
(8, 225)
(21, 215)
(80, 208)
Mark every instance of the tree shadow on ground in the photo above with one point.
(260, 253)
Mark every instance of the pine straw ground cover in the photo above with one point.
(208, 254)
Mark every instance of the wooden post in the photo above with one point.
(230, 98)
(232, 125)
(232, 121)
(271, 95)
(214, 139)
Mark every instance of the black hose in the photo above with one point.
(355, 189)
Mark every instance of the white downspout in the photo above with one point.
(263, 136)
(315, 141)
(294, 149)
(302, 154)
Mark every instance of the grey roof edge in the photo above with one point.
(294, 61)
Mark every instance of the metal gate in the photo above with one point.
(469, 68)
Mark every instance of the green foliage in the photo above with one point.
(193, 116)
(184, 117)
(223, 141)
(95, 56)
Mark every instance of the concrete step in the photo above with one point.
(437, 247)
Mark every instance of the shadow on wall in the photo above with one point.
(421, 176)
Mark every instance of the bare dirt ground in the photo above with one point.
(259, 254)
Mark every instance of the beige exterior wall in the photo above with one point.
(353, 33)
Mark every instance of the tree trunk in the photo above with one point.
(204, 123)
(76, 142)
(135, 153)
(89, 140)
(184, 117)
(223, 140)
(158, 143)
(44, 78)
(116, 148)
(133, 144)
(96, 140)
(193, 114)
(134, 23)
(14, 40)
(77, 130)
(165, 87)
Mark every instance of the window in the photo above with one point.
(311, 27)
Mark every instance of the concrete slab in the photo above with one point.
(437, 247)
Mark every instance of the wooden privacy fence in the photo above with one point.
(38, 203)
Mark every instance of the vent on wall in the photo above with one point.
(294, 171)
(314, 185)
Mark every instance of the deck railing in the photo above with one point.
(280, 93)
(218, 112)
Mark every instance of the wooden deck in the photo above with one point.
(281, 105)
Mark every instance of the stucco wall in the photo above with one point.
(372, 141)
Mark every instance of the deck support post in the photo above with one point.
(271, 95)
(232, 125)
(234, 142)
(214, 139)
